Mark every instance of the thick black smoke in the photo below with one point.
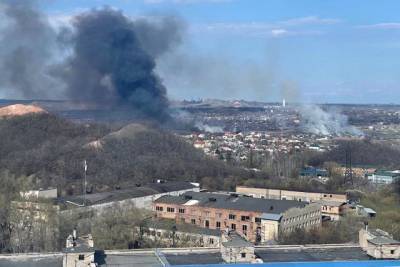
(26, 45)
(159, 35)
(108, 59)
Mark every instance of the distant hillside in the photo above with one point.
(363, 153)
(53, 150)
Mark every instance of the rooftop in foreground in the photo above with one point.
(318, 255)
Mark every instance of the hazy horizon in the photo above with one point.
(319, 52)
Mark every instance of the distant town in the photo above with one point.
(199, 133)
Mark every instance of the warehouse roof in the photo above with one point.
(383, 240)
(233, 202)
(130, 192)
(339, 255)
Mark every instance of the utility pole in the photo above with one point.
(348, 175)
(174, 228)
(84, 186)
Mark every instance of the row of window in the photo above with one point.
(303, 225)
(169, 209)
(244, 218)
(217, 224)
(301, 217)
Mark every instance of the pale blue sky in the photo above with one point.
(329, 51)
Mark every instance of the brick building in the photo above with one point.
(260, 220)
(290, 194)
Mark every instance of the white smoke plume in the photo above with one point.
(325, 122)
(209, 128)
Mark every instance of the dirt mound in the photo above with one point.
(20, 110)
(129, 131)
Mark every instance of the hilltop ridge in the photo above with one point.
(20, 110)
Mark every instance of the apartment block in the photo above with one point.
(259, 220)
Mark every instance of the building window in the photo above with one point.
(244, 227)
(207, 223)
(243, 255)
(392, 251)
(232, 216)
(211, 241)
(193, 221)
(245, 218)
(181, 210)
(257, 220)
(158, 208)
(218, 224)
(170, 209)
(233, 226)
(81, 257)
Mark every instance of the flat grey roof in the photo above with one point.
(369, 210)
(226, 201)
(193, 258)
(312, 254)
(269, 255)
(331, 203)
(383, 240)
(129, 260)
(39, 261)
(235, 240)
(271, 217)
(129, 193)
(189, 256)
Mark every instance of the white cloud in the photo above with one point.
(263, 29)
(278, 32)
(309, 20)
(382, 26)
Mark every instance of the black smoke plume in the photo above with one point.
(108, 59)
(112, 64)
(26, 44)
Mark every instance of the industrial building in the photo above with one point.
(259, 220)
(270, 193)
(382, 177)
(141, 196)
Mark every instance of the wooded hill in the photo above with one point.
(51, 150)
